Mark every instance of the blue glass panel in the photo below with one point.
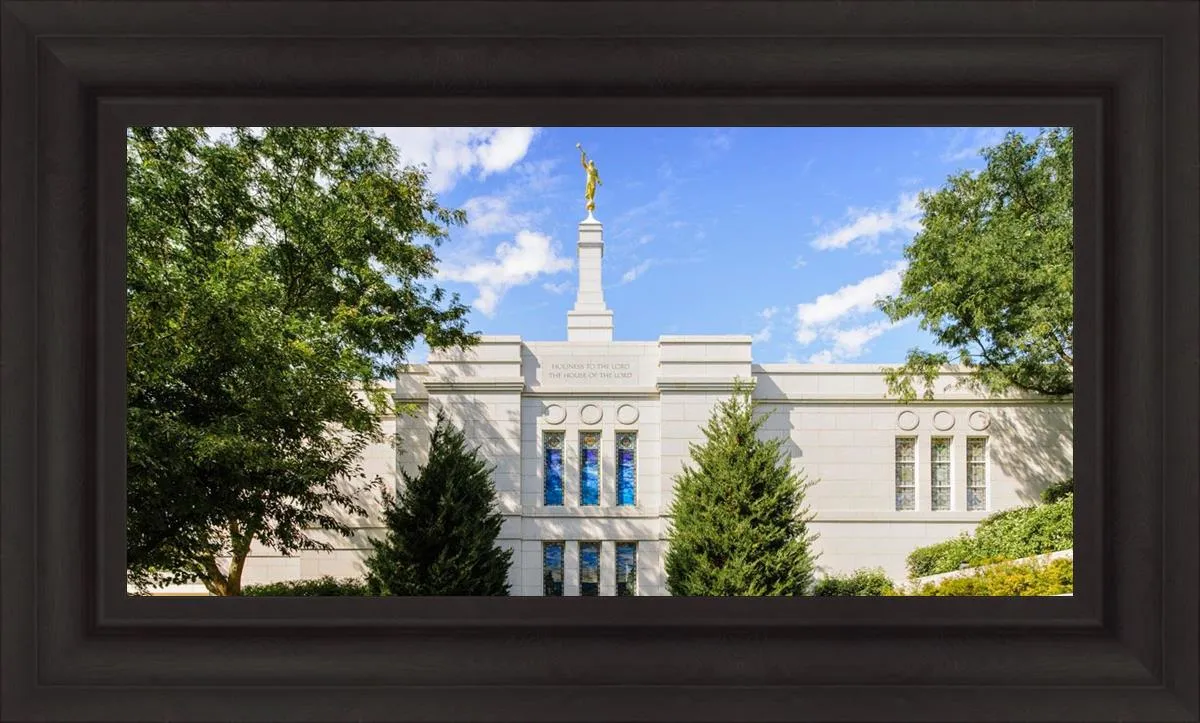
(626, 569)
(626, 477)
(589, 476)
(589, 568)
(552, 569)
(554, 476)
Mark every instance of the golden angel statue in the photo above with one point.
(593, 179)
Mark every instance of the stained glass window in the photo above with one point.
(977, 473)
(589, 568)
(589, 468)
(939, 468)
(626, 569)
(552, 569)
(627, 468)
(906, 473)
(553, 451)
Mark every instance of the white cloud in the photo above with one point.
(636, 271)
(850, 343)
(539, 177)
(967, 142)
(514, 263)
(799, 263)
(451, 153)
(716, 139)
(659, 206)
(494, 214)
(764, 334)
(559, 288)
(867, 225)
(852, 299)
(824, 317)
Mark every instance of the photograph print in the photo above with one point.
(659, 361)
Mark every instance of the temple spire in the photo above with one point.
(590, 320)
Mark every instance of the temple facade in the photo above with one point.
(588, 434)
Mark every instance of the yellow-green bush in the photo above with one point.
(872, 582)
(1007, 535)
(1008, 579)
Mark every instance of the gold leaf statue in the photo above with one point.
(593, 179)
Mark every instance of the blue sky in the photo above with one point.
(785, 234)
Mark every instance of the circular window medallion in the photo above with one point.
(627, 414)
(907, 421)
(943, 421)
(979, 421)
(555, 414)
(590, 414)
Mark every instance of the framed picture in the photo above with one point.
(78, 76)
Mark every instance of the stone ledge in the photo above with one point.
(701, 384)
(599, 392)
(475, 384)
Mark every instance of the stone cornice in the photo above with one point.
(869, 399)
(475, 384)
(610, 392)
(701, 384)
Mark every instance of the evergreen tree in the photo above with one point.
(739, 524)
(442, 526)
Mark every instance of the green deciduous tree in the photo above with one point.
(990, 273)
(442, 526)
(274, 276)
(738, 521)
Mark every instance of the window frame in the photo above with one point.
(985, 463)
(934, 465)
(562, 567)
(915, 462)
(617, 466)
(617, 567)
(562, 454)
(599, 547)
(599, 448)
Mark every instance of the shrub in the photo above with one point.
(1008, 579)
(322, 587)
(1005, 535)
(1026, 531)
(442, 526)
(739, 524)
(1058, 490)
(940, 557)
(860, 583)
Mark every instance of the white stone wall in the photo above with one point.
(838, 424)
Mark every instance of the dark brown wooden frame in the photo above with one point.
(76, 73)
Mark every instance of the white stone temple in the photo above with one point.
(587, 434)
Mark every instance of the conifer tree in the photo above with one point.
(442, 526)
(738, 522)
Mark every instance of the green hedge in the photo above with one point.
(1058, 490)
(1010, 579)
(322, 587)
(1006, 535)
(860, 583)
